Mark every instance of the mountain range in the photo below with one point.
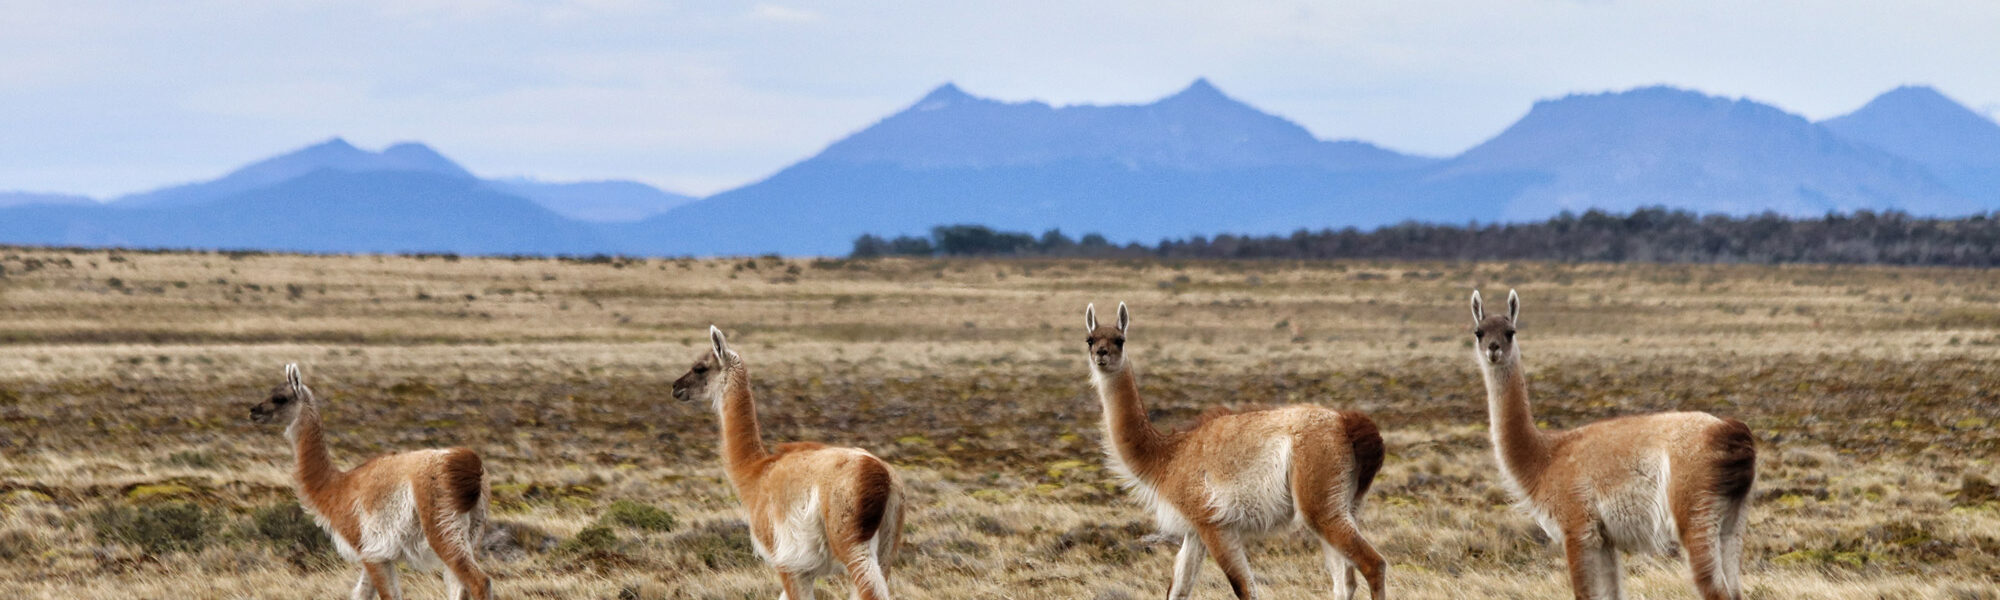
(1197, 162)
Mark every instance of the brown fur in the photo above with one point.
(1736, 465)
(1367, 448)
(1183, 468)
(873, 487)
(463, 479)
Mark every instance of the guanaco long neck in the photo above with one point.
(1521, 448)
(742, 441)
(1128, 432)
(314, 468)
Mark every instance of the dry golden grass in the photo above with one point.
(125, 380)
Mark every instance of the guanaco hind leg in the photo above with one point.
(380, 578)
(1187, 566)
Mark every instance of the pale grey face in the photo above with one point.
(694, 384)
(279, 407)
(1106, 342)
(1107, 348)
(1494, 336)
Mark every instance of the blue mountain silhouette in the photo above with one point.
(1195, 162)
(1960, 146)
(324, 211)
(334, 154)
(1666, 146)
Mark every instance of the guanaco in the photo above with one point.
(813, 509)
(426, 508)
(1237, 475)
(1638, 483)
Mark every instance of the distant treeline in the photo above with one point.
(1647, 235)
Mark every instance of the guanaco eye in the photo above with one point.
(701, 368)
(280, 400)
(1479, 333)
(1510, 334)
(1118, 342)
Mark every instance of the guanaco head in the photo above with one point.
(1107, 344)
(1493, 335)
(285, 399)
(705, 378)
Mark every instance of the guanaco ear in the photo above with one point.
(294, 381)
(721, 345)
(1124, 318)
(1478, 310)
(1513, 308)
(1090, 317)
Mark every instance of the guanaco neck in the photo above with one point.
(313, 469)
(1521, 448)
(1129, 435)
(742, 440)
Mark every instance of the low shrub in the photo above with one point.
(720, 544)
(291, 532)
(638, 516)
(157, 528)
(591, 541)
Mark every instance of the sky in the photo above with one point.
(106, 98)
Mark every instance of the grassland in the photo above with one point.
(128, 467)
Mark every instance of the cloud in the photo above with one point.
(773, 12)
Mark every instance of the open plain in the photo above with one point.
(129, 468)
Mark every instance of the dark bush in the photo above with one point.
(719, 544)
(157, 528)
(291, 532)
(591, 541)
(15, 544)
(638, 516)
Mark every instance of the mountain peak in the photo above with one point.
(335, 149)
(1915, 100)
(1199, 87)
(948, 91)
(415, 156)
(332, 143)
(1921, 123)
(1652, 94)
(944, 96)
(334, 154)
(408, 148)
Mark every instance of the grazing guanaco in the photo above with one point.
(426, 508)
(813, 509)
(1640, 483)
(1237, 475)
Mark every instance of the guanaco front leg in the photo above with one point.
(1228, 553)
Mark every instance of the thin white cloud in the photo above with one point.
(773, 12)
